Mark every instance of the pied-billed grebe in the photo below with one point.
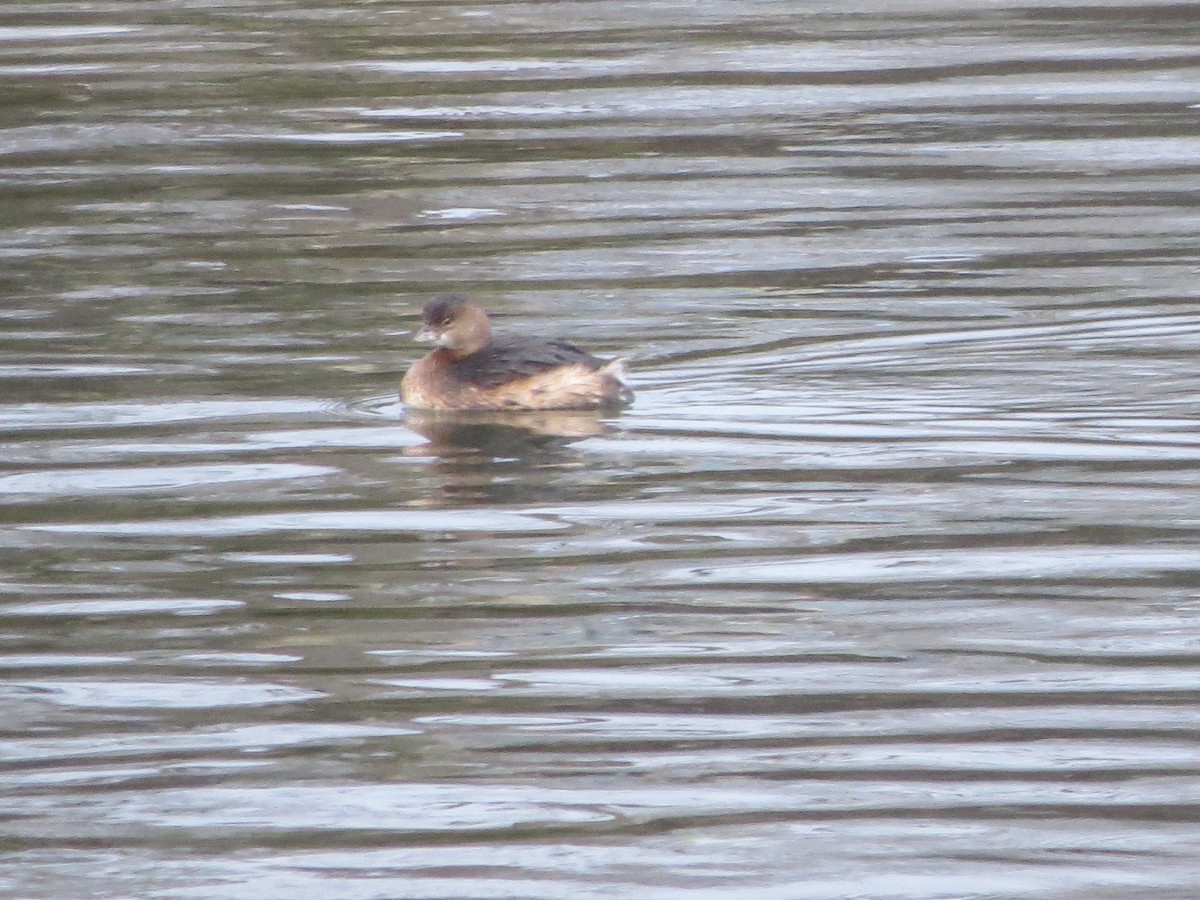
(469, 369)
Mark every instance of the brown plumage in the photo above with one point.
(469, 369)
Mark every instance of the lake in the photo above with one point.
(886, 586)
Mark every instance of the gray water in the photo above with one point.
(888, 585)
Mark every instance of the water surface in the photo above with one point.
(886, 586)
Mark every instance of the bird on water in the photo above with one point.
(469, 368)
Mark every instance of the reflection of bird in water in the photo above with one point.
(503, 433)
(499, 458)
(468, 369)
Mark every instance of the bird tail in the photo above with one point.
(615, 369)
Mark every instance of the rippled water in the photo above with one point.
(888, 585)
